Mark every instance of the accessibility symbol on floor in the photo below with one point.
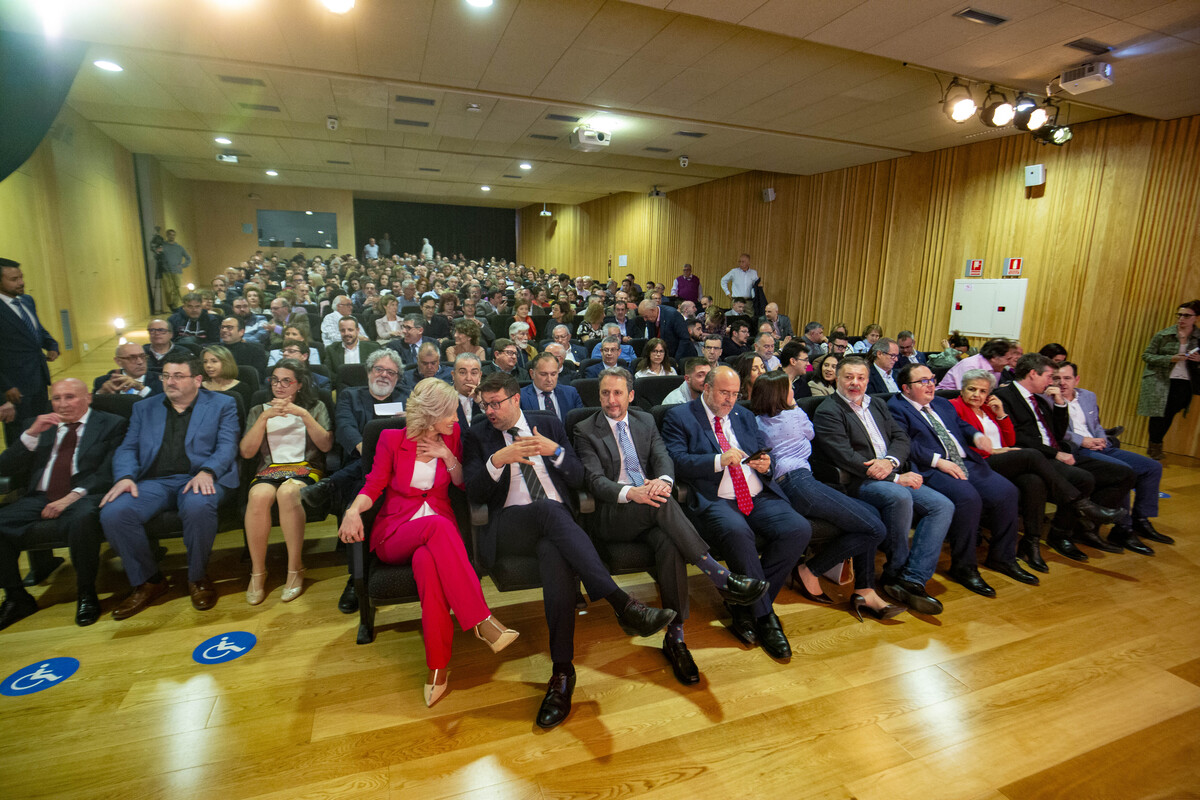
(38, 676)
(224, 647)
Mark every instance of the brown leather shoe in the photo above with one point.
(142, 596)
(204, 594)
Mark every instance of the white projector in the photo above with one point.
(1087, 78)
(589, 140)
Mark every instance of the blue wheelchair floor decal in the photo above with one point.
(1163, 496)
(38, 676)
(224, 647)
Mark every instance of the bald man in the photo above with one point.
(68, 456)
(132, 375)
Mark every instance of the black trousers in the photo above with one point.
(1038, 479)
(668, 532)
(79, 525)
(1179, 396)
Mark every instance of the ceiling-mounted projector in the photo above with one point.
(656, 193)
(1086, 78)
(589, 140)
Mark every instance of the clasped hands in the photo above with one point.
(282, 408)
(653, 492)
(880, 468)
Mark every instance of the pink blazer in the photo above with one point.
(395, 456)
(1008, 436)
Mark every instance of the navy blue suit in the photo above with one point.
(673, 331)
(693, 448)
(23, 364)
(875, 384)
(983, 495)
(412, 377)
(565, 397)
(211, 444)
(543, 528)
(595, 369)
(150, 379)
(405, 351)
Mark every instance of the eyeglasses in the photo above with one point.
(495, 404)
(158, 330)
(137, 357)
(923, 382)
(892, 356)
(1188, 314)
(726, 395)
(385, 372)
(284, 382)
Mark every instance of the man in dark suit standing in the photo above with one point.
(522, 467)
(941, 451)
(544, 393)
(909, 354)
(667, 324)
(180, 453)
(24, 375)
(1042, 426)
(718, 449)
(68, 455)
(884, 355)
(628, 471)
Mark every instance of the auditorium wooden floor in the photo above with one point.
(1085, 687)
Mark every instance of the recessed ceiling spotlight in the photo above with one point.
(997, 111)
(272, 173)
(474, 108)
(479, 3)
(223, 140)
(526, 165)
(338, 6)
(485, 188)
(958, 103)
(108, 66)
(308, 213)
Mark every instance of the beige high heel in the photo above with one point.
(435, 690)
(256, 596)
(507, 635)
(290, 592)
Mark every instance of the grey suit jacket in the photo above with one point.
(1091, 414)
(601, 455)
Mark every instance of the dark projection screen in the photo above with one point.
(471, 230)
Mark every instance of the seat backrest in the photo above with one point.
(249, 375)
(499, 324)
(587, 362)
(119, 404)
(809, 405)
(575, 416)
(371, 437)
(659, 413)
(589, 391)
(351, 375)
(949, 394)
(638, 345)
(321, 369)
(650, 391)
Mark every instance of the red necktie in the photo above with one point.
(1041, 415)
(60, 473)
(741, 489)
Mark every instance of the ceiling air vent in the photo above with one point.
(413, 123)
(258, 107)
(657, 149)
(514, 177)
(562, 118)
(543, 137)
(981, 17)
(429, 169)
(242, 81)
(420, 101)
(691, 134)
(1090, 46)
(342, 163)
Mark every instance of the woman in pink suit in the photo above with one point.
(413, 469)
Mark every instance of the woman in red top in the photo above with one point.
(413, 470)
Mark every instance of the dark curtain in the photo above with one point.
(474, 231)
(35, 77)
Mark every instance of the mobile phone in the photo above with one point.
(756, 454)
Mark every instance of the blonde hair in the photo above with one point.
(431, 400)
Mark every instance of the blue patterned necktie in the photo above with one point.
(25, 315)
(633, 467)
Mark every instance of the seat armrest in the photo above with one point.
(587, 503)
(479, 515)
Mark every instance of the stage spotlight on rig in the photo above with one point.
(958, 104)
(997, 111)
(1053, 134)
(1029, 115)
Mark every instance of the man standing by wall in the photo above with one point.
(24, 375)
(174, 260)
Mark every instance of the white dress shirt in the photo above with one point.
(1028, 395)
(623, 478)
(725, 490)
(739, 283)
(518, 492)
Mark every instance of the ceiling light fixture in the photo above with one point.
(108, 66)
(1049, 131)
(272, 173)
(1027, 115)
(998, 112)
(958, 104)
(338, 6)
(526, 165)
(308, 213)
(545, 212)
(223, 140)
(479, 3)
(485, 188)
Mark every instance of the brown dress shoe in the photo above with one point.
(142, 596)
(204, 594)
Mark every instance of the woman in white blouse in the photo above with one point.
(654, 361)
(291, 435)
(389, 326)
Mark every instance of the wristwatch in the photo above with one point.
(557, 452)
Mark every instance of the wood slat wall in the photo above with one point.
(1110, 248)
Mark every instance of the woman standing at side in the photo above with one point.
(1171, 360)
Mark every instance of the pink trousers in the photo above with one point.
(445, 579)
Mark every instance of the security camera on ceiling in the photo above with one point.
(655, 192)
(683, 161)
(331, 122)
(589, 140)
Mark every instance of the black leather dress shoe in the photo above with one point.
(1061, 543)
(1088, 509)
(556, 705)
(742, 625)
(318, 495)
(770, 636)
(348, 602)
(641, 620)
(44, 563)
(913, 596)
(1144, 529)
(1012, 570)
(742, 590)
(1029, 550)
(1126, 539)
(971, 579)
(87, 610)
(13, 610)
(682, 662)
(1090, 539)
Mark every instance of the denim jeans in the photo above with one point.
(898, 505)
(861, 528)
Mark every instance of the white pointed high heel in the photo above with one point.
(434, 691)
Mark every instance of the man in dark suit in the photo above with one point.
(630, 326)
(568, 371)
(467, 375)
(781, 325)
(793, 359)
(522, 467)
(350, 349)
(667, 324)
(1043, 426)
(504, 358)
(738, 340)
(413, 328)
(436, 325)
(300, 352)
(909, 354)
(191, 323)
(131, 375)
(884, 355)
(544, 393)
(68, 456)
(429, 365)
(940, 450)
(610, 352)
(718, 449)
(24, 375)
(628, 471)
(233, 331)
(858, 436)
(573, 352)
(180, 452)
(160, 345)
